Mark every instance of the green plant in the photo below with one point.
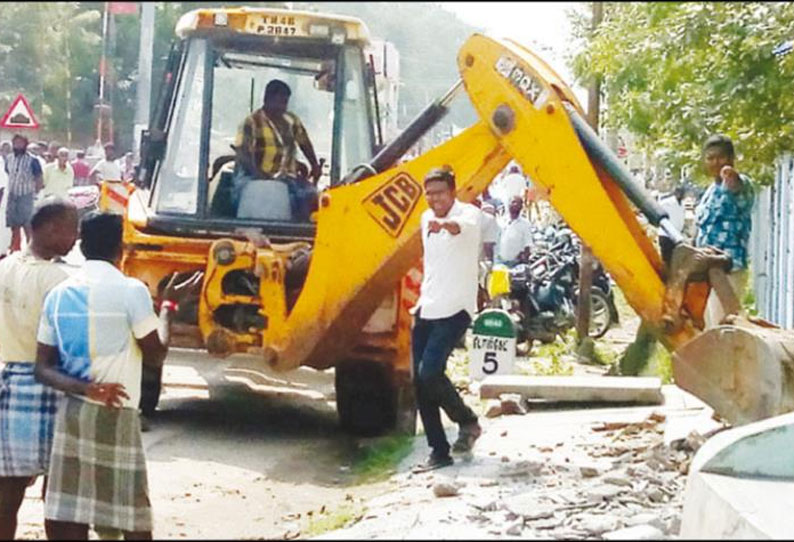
(319, 523)
(376, 460)
(556, 366)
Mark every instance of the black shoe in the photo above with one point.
(434, 462)
(467, 435)
(146, 423)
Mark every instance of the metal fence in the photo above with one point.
(771, 247)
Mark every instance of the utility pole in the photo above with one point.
(144, 89)
(586, 257)
(103, 61)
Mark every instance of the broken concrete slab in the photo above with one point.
(493, 408)
(510, 403)
(607, 389)
(679, 427)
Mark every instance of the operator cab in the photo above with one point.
(216, 77)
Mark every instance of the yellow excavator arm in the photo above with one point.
(368, 229)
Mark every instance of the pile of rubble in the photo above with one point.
(623, 483)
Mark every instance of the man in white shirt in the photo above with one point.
(27, 408)
(447, 303)
(96, 330)
(106, 169)
(673, 204)
(58, 176)
(489, 232)
(514, 244)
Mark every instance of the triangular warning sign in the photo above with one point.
(19, 115)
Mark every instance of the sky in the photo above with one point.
(541, 26)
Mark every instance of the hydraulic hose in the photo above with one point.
(604, 157)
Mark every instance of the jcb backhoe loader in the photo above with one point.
(334, 291)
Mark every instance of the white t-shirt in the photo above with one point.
(516, 236)
(108, 170)
(25, 279)
(676, 212)
(489, 231)
(449, 283)
(94, 319)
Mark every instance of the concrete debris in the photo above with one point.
(526, 505)
(525, 467)
(604, 493)
(446, 489)
(511, 403)
(655, 494)
(597, 525)
(485, 505)
(617, 481)
(493, 408)
(694, 441)
(644, 519)
(545, 524)
(515, 528)
(638, 532)
(589, 471)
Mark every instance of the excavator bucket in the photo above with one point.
(743, 370)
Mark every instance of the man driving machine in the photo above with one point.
(266, 148)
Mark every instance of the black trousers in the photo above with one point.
(432, 341)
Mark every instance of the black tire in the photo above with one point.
(151, 385)
(613, 308)
(600, 314)
(366, 397)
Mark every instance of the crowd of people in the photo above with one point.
(30, 171)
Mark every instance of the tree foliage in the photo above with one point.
(673, 73)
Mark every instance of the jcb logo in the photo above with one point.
(391, 204)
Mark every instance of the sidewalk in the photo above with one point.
(546, 474)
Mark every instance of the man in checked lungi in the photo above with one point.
(96, 330)
(27, 408)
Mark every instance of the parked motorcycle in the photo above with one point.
(85, 198)
(540, 297)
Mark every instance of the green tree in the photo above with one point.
(673, 73)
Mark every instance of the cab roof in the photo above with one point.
(272, 22)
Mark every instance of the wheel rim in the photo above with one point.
(600, 317)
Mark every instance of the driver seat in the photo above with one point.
(265, 200)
